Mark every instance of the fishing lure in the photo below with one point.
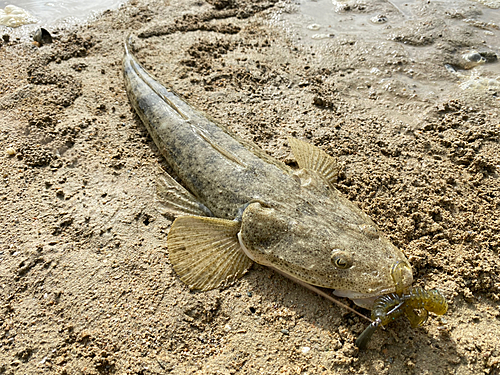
(415, 303)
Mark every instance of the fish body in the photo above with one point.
(237, 205)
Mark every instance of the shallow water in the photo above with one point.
(320, 23)
(57, 11)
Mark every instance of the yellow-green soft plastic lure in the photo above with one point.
(415, 303)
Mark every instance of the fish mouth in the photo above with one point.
(402, 276)
(362, 300)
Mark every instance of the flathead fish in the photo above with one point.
(236, 205)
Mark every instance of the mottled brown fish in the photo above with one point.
(237, 205)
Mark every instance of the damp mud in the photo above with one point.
(86, 285)
(51, 12)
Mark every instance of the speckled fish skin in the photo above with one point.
(294, 221)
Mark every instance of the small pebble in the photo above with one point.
(322, 36)
(379, 18)
(305, 349)
(249, 294)
(450, 68)
(474, 57)
(42, 37)
(314, 26)
(10, 151)
(285, 332)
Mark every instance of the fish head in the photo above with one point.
(319, 237)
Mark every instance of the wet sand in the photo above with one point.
(86, 283)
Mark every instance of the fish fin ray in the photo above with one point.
(313, 158)
(205, 252)
(172, 198)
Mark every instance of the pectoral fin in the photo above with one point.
(313, 158)
(205, 252)
(172, 198)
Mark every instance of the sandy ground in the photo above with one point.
(86, 286)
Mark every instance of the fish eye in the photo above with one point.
(341, 259)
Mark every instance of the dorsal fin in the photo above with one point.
(315, 159)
